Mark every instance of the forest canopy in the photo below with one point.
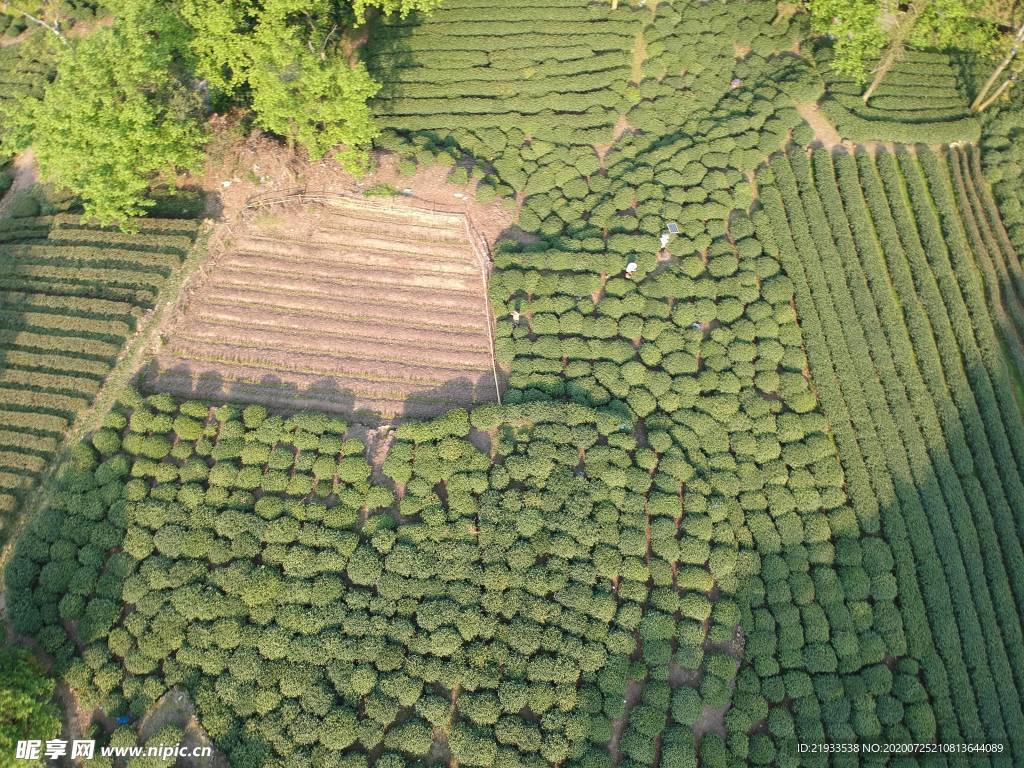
(26, 701)
(125, 107)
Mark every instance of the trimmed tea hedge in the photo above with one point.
(920, 101)
(1003, 158)
(70, 295)
(901, 343)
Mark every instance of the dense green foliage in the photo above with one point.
(911, 378)
(1003, 156)
(558, 73)
(232, 552)
(70, 295)
(920, 100)
(116, 119)
(998, 262)
(25, 69)
(699, 531)
(584, 558)
(123, 113)
(27, 710)
(289, 58)
(538, 96)
(863, 29)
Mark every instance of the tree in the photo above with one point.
(899, 32)
(46, 15)
(291, 55)
(866, 29)
(27, 710)
(986, 97)
(117, 117)
(402, 7)
(123, 110)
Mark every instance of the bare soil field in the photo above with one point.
(239, 167)
(371, 308)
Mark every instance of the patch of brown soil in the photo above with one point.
(830, 138)
(74, 720)
(710, 719)
(25, 177)
(679, 676)
(176, 708)
(83, 28)
(239, 167)
(824, 131)
(633, 691)
(639, 57)
(621, 126)
(6, 42)
(784, 11)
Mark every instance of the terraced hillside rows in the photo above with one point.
(361, 306)
(540, 102)
(556, 73)
(70, 295)
(891, 265)
(24, 69)
(1002, 153)
(998, 262)
(920, 100)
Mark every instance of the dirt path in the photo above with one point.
(825, 132)
(25, 176)
(634, 689)
(639, 57)
(6, 42)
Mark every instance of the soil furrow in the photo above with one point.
(358, 222)
(368, 349)
(344, 329)
(337, 255)
(351, 308)
(333, 238)
(390, 212)
(343, 290)
(383, 278)
(234, 282)
(334, 366)
(318, 305)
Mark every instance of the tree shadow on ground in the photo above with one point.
(321, 394)
(462, 392)
(387, 53)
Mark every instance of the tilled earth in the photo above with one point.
(349, 306)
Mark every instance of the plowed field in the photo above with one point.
(349, 306)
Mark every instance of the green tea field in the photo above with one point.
(665, 408)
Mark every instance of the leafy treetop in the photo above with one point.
(26, 708)
(124, 109)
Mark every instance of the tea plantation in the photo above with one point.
(71, 295)
(921, 100)
(756, 481)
